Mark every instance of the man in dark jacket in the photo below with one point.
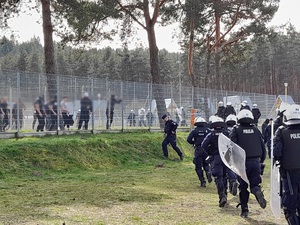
(110, 108)
(170, 137)
(85, 110)
(248, 137)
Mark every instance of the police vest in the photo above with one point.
(290, 152)
(200, 134)
(249, 138)
(214, 140)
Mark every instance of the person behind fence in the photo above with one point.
(40, 113)
(195, 138)
(4, 113)
(131, 118)
(53, 111)
(287, 154)
(34, 118)
(256, 113)
(110, 108)
(141, 114)
(149, 117)
(249, 138)
(18, 109)
(220, 171)
(221, 110)
(170, 137)
(86, 108)
(47, 114)
(66, 116)
(229, 110)
(177, 115)
(183, 116)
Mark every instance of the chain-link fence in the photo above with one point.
(141, 105)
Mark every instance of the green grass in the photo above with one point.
(110, 179)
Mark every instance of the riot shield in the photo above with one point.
(233, 156)
(275, 199)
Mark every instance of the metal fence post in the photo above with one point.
(93, 112)
(18, 102)
(58, 105)
(122, 108)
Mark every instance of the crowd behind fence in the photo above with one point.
(178, 100)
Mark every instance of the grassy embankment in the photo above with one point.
(110, 179)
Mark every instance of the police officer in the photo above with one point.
(195, 138)
(256, 113)
(248, 137)
(267, 136)
(244, 105)
(221, 110)
(279, 119)
(231, 176)
(230, 121)
(286, 151)
(218, 168)
(229, 110)
(170, 137)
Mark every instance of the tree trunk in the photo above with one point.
(191, 52)
(154, 69)
(50, 68)
(217, 51)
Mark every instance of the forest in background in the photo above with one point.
(260, 64)
(226, 45)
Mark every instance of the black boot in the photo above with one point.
(244, 212)
(222, 200)
(260, 198)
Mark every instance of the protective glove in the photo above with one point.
(281, 113)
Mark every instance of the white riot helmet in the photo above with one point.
(231, 120)
(245, 102)
(220, 104)
(292, 115)
(254, 106)
(245, 116)
(229, 103)
(216, 121)
(199, 121)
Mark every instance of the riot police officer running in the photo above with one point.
(218, 168)
(170, 137)
(195, 138)
(248, 137)
(286, 152)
